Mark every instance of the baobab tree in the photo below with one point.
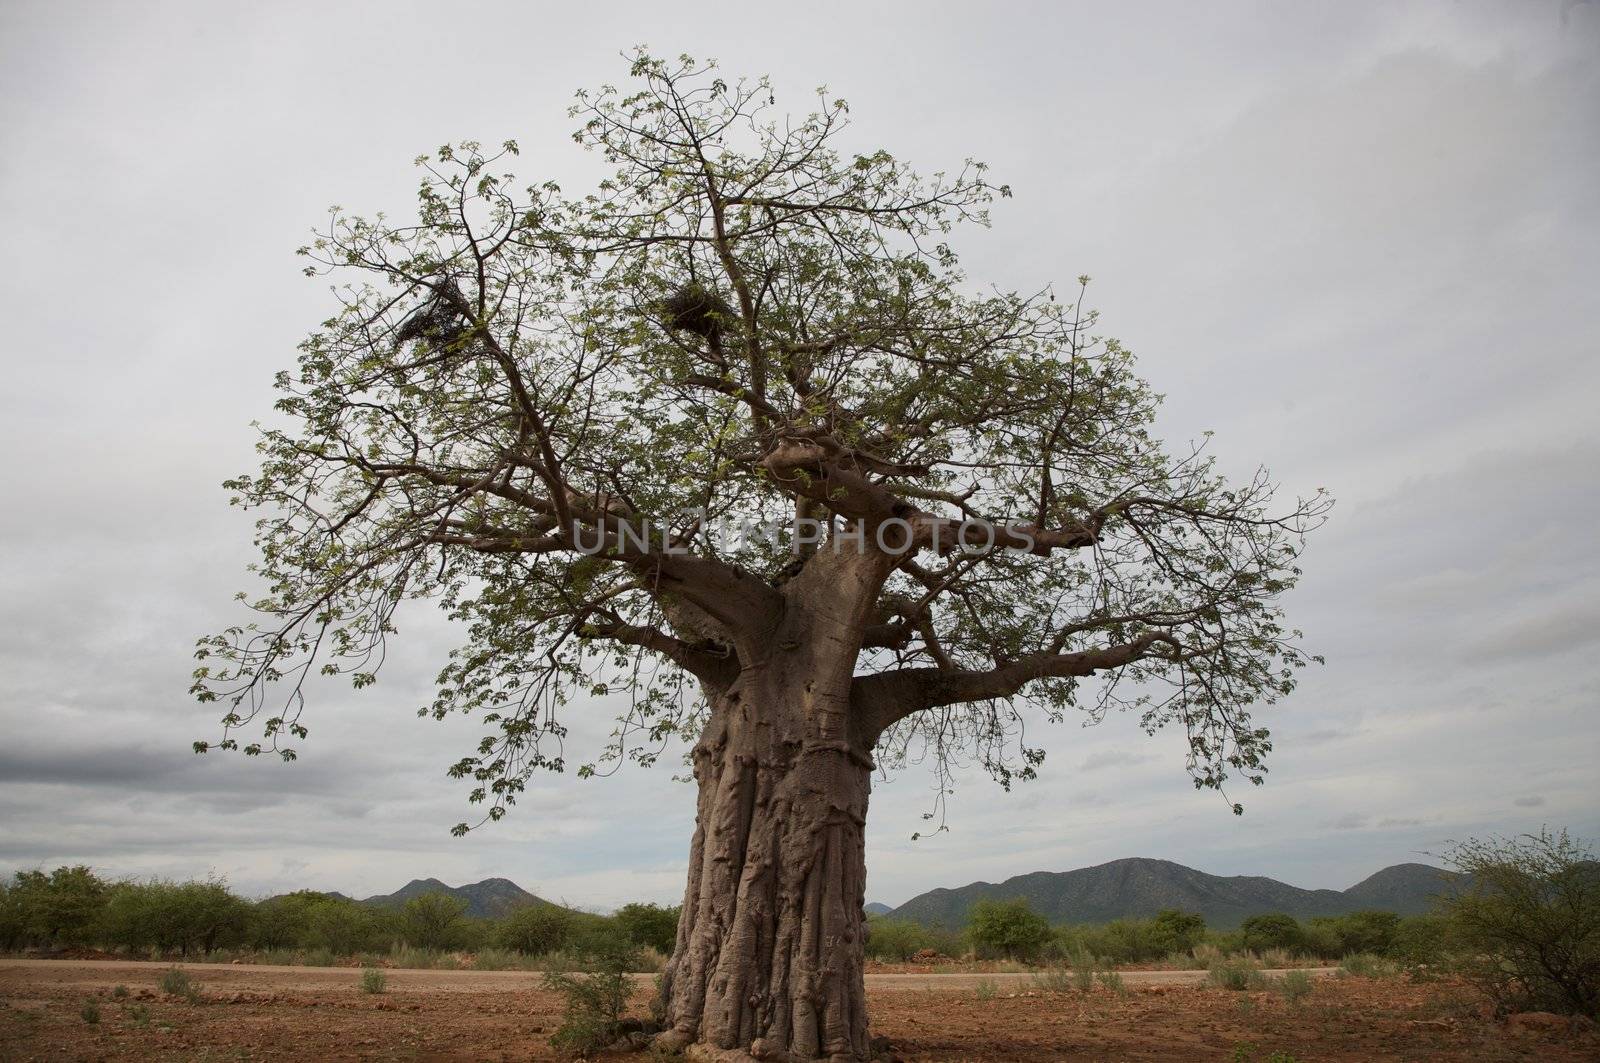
(733, 433)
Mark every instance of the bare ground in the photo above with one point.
(251, 1012)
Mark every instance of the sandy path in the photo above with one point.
(273, 978)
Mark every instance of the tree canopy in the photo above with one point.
(545, 411)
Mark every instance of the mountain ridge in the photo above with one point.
(490, 898)
(1142, 886)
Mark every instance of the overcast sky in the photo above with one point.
(1359, 242)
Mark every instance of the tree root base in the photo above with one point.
(680, 1041)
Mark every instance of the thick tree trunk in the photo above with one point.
(768, 963)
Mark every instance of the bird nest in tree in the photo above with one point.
(439, 322)
(697, 309)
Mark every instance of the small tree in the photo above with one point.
(1177, 931)
(895, 939)
(1528, 921)
(282, 922)
(1008, 928)
(13, 918)
(535, 929)
(1366, 931)
(1273, 930)
(734, 434)
(341, 926)
(61, 908)
(650, 925)
(432, 920)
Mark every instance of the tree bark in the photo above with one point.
(768, 962)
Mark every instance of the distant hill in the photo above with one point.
(489, 899)
(1403, 888)
(1142, 887)
(876, 908)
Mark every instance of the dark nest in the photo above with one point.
(440, 321)
(697, 309)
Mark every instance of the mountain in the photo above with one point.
(1142, 887)
(1405, 888)
(876, 908)
(491, 898)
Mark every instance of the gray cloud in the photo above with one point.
(1358, 248)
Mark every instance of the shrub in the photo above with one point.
(1053, 979)
(649, 925)
(90, 1012)
(175, 981)
(60, 908)
(895, 940)
(1236, 974)
(1322, 938)
(596, 999)
(1278, 958)
(1113, 981)
(535, 929)
(1366, 965)
(987, 989)
(433, 921)
(1083, 965)
(1274, 930)
(1295, 986)
(1531, 921)
(1134, 940)
(501, 960)
(139, 1014)
(1421, 940)
(340, 926)
(373, 980)
(1175, 931)
(120, 992)
(1011, 929)
(183, 917)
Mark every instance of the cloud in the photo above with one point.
(1529, 802)
(1113, 758)
(1350, 821)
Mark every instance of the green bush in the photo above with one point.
(61, 908)
(1053, 979)
(373, 980)
(1422, 940)
(1274, 930)
(341, 926)
(184, 917)
(1341, 935)
(433, 921)
(1295, 986)
(1011, 929)
(1366, 965)
(1173, 930)
(535, 929)
(596, 998)
(13, 919)
(1530, 922)
(175, 981)
(649, 925)
(895, 940)
(1237, 974)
